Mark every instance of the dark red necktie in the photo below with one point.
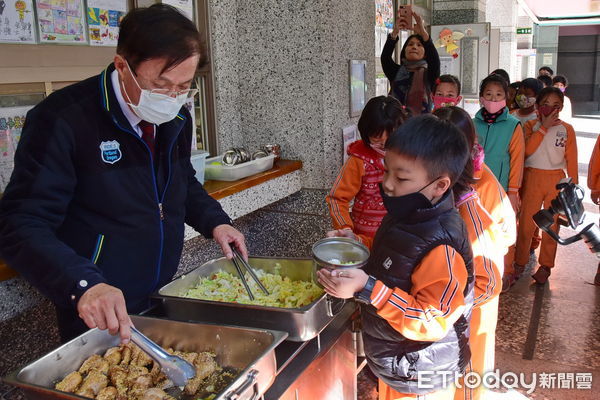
(148, 135)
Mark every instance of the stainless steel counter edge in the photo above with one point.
(299, 358)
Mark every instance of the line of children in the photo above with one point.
(550, 148)
(490, 223)
(359, 178)
(418, 284)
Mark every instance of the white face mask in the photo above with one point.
(154, 107)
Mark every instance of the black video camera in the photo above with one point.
(568, 205)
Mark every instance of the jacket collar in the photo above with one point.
(502, 116)
(110, 104)
(445, 204)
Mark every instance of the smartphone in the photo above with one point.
(405, 17)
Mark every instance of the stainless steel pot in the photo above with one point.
(300, 323)
(250, 351)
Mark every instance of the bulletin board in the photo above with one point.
(61, 21)
(11, 125)
(103, 19)
(17, 22)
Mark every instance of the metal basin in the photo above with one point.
(251, 351)
(300, 323)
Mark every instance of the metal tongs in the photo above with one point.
(175, 368)
(237, 260)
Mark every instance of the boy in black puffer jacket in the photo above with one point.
(418, 284)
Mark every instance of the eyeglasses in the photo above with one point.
(163, 92)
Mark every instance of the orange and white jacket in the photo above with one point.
(494, 200)
(488, 254)
(435, 301)
(551, 149)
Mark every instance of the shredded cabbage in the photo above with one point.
(283, 292)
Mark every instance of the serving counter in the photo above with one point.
(323, 367)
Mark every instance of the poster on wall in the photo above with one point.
(185, 6)
(349, 135)
(104, 18)
(61, 21)
(384, 13)
(358, 86)
(11, 125)
(17, 21)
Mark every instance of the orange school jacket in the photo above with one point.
(488, 256)
(435, 301)
(551, 152)
(494, 200)
(593, 180)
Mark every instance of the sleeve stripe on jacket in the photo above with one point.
(480, 233)
(335, 209)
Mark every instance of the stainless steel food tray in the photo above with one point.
(251, 351)
(300, 323)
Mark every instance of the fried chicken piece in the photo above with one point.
(140, 385)
(118, 378)
(113, 355)
(90, 363)
(155, 394)
(205, 365)
(108, 393)
(126, 354)
(189, 357)
(70, 382)
(94, 381)
(140, 358)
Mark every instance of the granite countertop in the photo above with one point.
(287, 228)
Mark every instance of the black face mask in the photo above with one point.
(403, 206)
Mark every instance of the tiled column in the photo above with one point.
(458, 12)
(503, 14)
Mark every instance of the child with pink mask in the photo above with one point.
(446, 92)
(501, 136)
(355, 202)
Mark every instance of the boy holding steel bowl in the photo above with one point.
(417, 287)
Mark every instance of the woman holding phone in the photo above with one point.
(411, 81)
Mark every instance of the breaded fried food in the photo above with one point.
(95, 381)
(108, 393)
(70, 383)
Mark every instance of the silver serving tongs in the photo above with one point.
(237, 257)
(175, 368)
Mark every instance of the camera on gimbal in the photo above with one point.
(568, 205)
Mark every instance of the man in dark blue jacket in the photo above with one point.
(94, 213)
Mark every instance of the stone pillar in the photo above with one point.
(281, 76)
(502, 14)
(446, 12)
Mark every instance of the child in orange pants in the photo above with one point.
(550, 148)
(594, 185)
(490, 222)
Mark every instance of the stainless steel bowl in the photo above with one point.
(340, 253)
(259, 154)
(231, 158)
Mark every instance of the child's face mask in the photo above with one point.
(525, 102)
(442, 101)
(492, 106)
(546, 110)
